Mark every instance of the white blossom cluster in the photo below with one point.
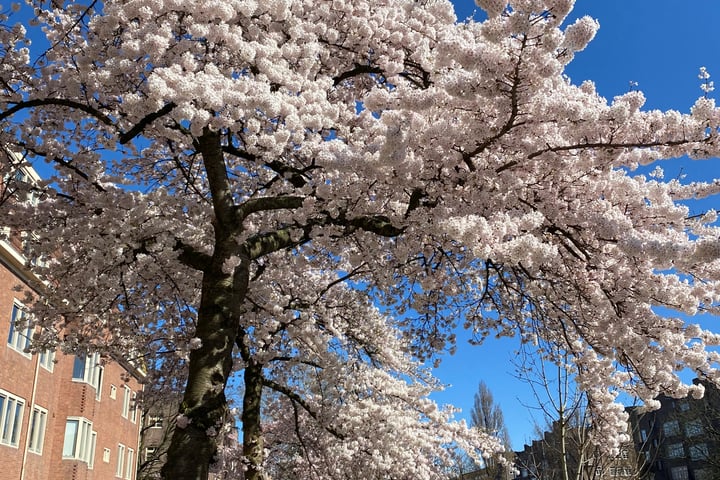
(322, 191)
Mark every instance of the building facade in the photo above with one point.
(542, 459)
(62, 417)
(681, 440)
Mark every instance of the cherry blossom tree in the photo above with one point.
(316, 193)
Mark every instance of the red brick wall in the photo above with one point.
(62, 398)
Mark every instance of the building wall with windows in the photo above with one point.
(681, 440)
(61, 416)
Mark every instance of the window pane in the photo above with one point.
(11, 335)
(679, 473)
(8, 424)
(675, 450)
(47, 359)
(91, 453)
(693, 428)
(37, 430)
(671, 428)
(129, 468)
(18, 339)
(120, 461)
(79, 367)
(71, 430)
(17, 424)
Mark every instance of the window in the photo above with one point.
(675, 450)
(20, 334)
(38, 420)
(694, 428)
(47, 359)
(699, 452)
(679, 473)
(623, 454)
(91, 459)
(155, 421)
(120, 460)
(643, 435)
(88, 369)
(113, 392)
(683, 406)
(671, 428)
(133, 408)
(106, 455)
(126, 402)
(11, 414)
(130, 467)
(79, 438)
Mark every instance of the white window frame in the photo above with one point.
(120, 461)
(113, 392)
(93, 443)
(129, 467)
(47, 360)
(92, 372)
(106, 455)
(155, 421)
(38, 423)
(126, 402)
(78, 445)
(19, 340)
(12, 409)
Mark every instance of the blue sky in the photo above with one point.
(661, 45)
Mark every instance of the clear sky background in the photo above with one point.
(661, 45)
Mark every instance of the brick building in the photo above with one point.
(62, 417)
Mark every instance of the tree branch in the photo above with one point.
(297, 399)
(63, 102)
(610, 146)
(358, 70)
(263, 204)
(192, 257)
(144, 122)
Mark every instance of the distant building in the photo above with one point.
(157, 429)
(681, 440)
(542, 459)
(62, 417)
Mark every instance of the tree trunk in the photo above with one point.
(252, 431)
(204, 404)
